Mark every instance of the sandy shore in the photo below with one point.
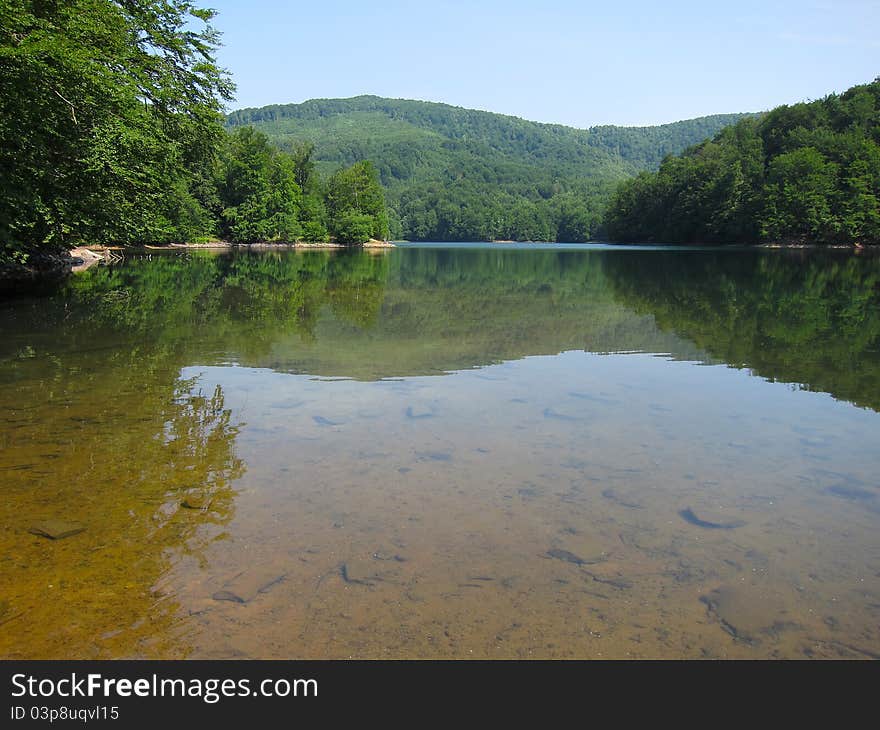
(372, 243)
(86, 257)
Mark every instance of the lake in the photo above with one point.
(445, 451)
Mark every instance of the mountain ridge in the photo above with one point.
(458, 107)
(452, 173)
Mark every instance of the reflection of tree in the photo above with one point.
(812, 320)
(270, 292)
(114, 443)
(284, 291)
(197, 446)
(809, 319)
(356, 288)
(404, 313)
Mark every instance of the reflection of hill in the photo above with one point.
(811, 319)
(419, 311)
(452, 309)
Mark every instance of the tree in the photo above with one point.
(258, 190)
(798, 195)
(354, 195)
(353, 227)
(109, 119)
(809, 172)
(306, 177)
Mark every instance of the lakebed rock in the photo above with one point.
(625, 498)
(748, 612)
(197, 500)
(247, 585)
(356, 571)
(569, 557)
(711, 521)
(56, 529)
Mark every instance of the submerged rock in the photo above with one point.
(227, 596)
(568, 557)
(748, 612)
(550, 413)
(855, 494)
(388, 556)
(688, 515)
(197, 500)
(415, 415)
(247, 585)
(623, 498)
(357, 572)
(434, 455)
(57, 529)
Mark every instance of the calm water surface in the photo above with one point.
(445, 452)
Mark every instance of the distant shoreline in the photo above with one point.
(372, 243)
(57, 265)
(84, 257)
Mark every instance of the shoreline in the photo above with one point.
(84, 257)
(222, 245)
(856, 247)
(56, 265)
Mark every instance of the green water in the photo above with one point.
(445, 451)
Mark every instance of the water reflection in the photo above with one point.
(117, 442)
(267, 466)
(811, 319)
(799, 317)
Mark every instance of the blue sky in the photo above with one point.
(579, 63)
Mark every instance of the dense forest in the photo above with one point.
(264, 194)
(807, 173)
(111, 132)
(453, 174)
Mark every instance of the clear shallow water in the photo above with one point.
(444, 452)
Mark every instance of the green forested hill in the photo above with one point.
(460, 174)
(805, 173)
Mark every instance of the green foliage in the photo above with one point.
(798, 194)
(110, 132)
(353, 227)
(258, 190)
(456, 174)
(803, 173)
(262, 199)
(109, 119)
(356, 204)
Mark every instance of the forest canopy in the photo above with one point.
(807, 173)
(109, 121)
(453, 174)
(111, 131)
